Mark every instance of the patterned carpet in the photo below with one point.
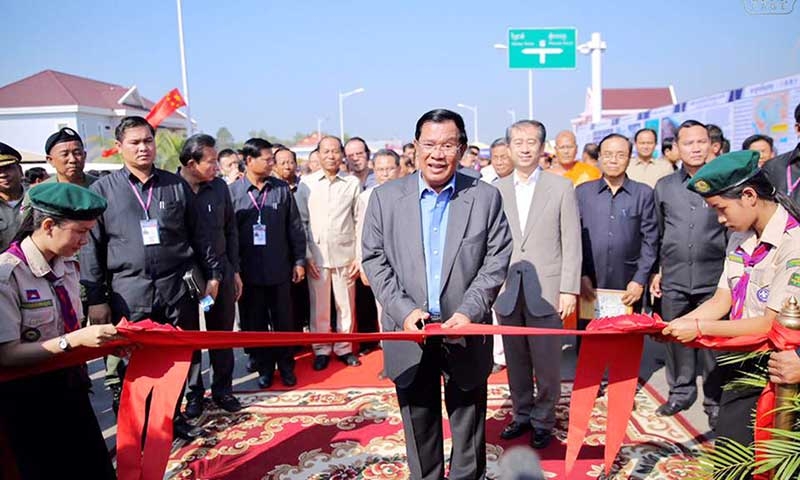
(327, 433)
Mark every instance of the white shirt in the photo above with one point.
(523, 190)
(488, 174)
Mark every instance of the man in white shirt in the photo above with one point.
(327, 203)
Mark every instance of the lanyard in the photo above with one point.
(789, 185)
(255, 204)
(145, 206)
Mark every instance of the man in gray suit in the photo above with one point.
(436, 247)
(543, 280)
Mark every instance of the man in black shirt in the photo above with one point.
(618, 223)
(784, 170)
(272, 247)
(692, 258)
(137, 254)
(212, 201)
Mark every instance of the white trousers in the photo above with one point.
(344, 294)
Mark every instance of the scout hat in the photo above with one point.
(66, 134)
(725, 172)
(67, 201)
(8, 155)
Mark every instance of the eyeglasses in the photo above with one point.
(619, 156)
(447, 148)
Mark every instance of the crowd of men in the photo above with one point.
(515, 239)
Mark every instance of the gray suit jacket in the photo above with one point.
(476, 254)
(546, 259)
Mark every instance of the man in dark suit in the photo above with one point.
(436, 248)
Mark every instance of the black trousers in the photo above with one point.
(219, 318)
(737, 405)
(421, 410)
(265, 309)
(51, 428)
(683, 363)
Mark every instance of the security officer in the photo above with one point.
(48, 418)
(762, 269)
(11, 193)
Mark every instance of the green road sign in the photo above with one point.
(542, 48)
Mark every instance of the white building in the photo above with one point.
(33, 108)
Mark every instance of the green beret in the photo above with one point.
(68, 201)
(66, 134)
(8, 155)
(725, 172)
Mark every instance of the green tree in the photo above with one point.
(168, 149)
(224, 138)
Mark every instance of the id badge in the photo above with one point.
(150, 232)
(259, 234)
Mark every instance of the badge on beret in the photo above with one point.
(794, 280)
(763, 294)
(31, 335)
(702, 186)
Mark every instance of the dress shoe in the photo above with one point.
(321, 362)
(228, 402)
(498, 368)
(713, 417)
(194, 407)
(185, 431)
(288, 378)
(350, 360)
(670, 408)
(264, 381)
(540, 438)
(514, 430)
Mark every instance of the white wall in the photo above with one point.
(29, 132)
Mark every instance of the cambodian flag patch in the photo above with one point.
(32, 295)
(763, 294)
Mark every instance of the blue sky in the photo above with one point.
(278, 66)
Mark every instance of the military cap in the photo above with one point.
(8, 155)
(67, 201)
(66, 134)
(725, 172)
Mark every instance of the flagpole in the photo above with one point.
(183, 71)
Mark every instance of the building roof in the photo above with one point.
(637, 98)
(52, 88)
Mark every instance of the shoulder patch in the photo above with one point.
(794, 280)
(7, 265)
(794, 262)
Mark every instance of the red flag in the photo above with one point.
(165, 107)
(161, 110)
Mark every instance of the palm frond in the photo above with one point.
(726, 460)
(732, 358)
(748, 380)
(781, 454)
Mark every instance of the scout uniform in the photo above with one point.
(10, 212)
(48, 418)
(760, 273)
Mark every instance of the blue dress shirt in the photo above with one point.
(434, 208)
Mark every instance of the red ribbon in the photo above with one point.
(159, 364)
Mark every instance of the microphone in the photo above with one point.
(520, 463)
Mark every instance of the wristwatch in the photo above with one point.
(63, 343)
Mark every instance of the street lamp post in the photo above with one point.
(475, 123)
(319, 127)
(342, 96)
(513, 115)
(503, 46)
(184, 76)
(595, 48)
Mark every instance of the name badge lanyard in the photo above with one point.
(255, 204)
(789, 185)
(145, 206)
